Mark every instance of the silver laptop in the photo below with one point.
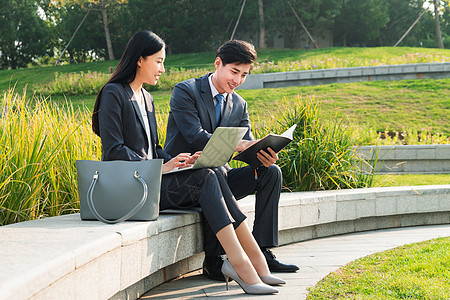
(219, 148)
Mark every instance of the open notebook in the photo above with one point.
(219, 149)
(274, 141)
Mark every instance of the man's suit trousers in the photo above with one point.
(267, 187)
(206, 188)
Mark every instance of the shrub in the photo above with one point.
(370, 136)
(40, 145)
(74, 84)
(91, 82)
(172, 76)
(321, 156)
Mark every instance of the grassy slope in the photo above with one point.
(397, 105)
(345, 53)
(35, 75)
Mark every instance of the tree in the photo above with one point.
(438, 26)
(103, 5)
(402, 14)
(262, 26)
(23, 34)
(316, 15)
(361, 22)
(185, 25)
(73, 35)
(89, 41)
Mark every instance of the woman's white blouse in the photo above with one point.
(140, 100)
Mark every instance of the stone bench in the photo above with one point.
(432, 159)
(66, 258)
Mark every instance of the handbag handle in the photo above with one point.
(90, 201)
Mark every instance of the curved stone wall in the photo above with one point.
(344, 75)
(66, 258)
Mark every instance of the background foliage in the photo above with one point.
(23, 34)
(37, 31)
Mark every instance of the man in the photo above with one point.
(197, 107)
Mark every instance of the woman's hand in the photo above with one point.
(180, 161)
(194, 157)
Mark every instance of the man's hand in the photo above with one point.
(268, 157)
(244, 144)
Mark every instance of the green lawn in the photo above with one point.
(411, 179)
(345, 53)
(31, 76)
(395, 105)
(416, 271)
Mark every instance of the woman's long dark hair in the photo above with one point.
(142, 43)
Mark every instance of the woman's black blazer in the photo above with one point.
(121, 125)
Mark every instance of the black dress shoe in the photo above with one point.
(275, 265)
(212, 268)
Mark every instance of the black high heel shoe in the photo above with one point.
(256, 289)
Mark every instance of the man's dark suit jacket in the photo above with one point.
(192, 118)
(122, 127)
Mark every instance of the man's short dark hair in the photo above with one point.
(237, 51)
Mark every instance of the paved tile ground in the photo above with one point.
(316, 259)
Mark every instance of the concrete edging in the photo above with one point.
(430, 159)
(64, 257)
(344, 75)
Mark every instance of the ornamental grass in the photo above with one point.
(40, 144)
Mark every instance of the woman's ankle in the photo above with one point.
(246, 271)
(259, 263)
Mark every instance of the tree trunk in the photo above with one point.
(73, 35)
(262, 26)
(108, 38)
(13, 64)
(409, 29)
(304, 27)
(438, 26)
(237, 22)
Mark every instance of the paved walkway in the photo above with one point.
(316, 259)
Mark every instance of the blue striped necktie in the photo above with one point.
(218, 108)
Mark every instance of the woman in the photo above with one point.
(124, 118)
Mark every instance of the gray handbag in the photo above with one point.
(115, 191)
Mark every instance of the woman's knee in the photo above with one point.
(205, 173)
(208, 178)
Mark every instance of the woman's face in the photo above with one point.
(151, 67)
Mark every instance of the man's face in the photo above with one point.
(227, 78)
